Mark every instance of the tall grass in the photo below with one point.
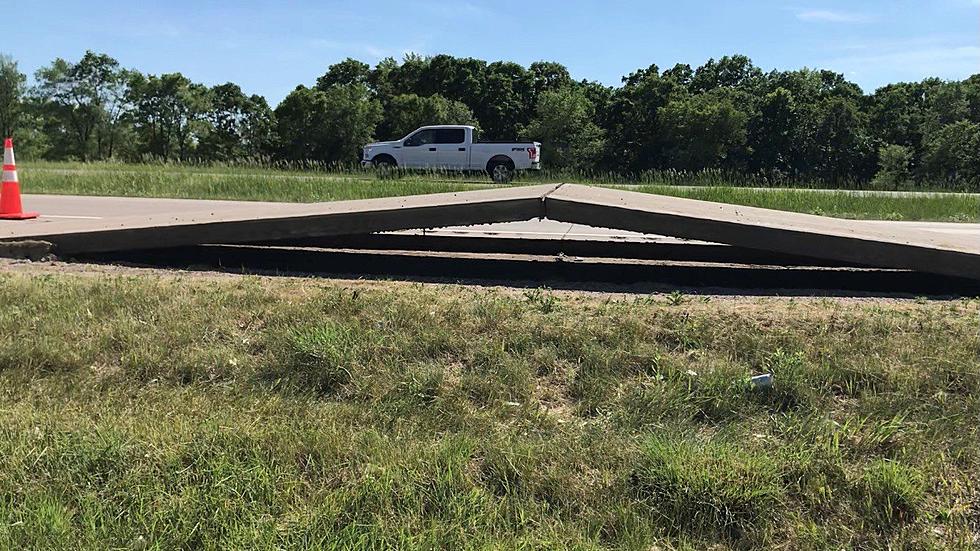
(256, 413)
(245, 185)
(668, 177)
(939, 207)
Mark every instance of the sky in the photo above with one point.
(270, 47)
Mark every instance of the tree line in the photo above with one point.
(725, 115)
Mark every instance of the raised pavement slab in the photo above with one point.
(867, 243)
(96, 225)
(243, 222)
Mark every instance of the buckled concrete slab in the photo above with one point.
(860, 242)
(106, 224)
(242, 222)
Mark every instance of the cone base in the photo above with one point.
(19, 216)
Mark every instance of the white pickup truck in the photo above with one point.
(454, 148)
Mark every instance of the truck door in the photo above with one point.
(453, 151)
(419, 150)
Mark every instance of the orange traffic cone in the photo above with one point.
(10, 207)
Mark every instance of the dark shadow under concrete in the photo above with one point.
(630, 276)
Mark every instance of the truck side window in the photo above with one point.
(450, 135)
(421, 138)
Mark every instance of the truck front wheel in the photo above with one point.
(384, 166)
(502, 172)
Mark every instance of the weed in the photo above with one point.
(706, 489)
(322, 358)
(542, 299)
(890, 494)
(676, 298)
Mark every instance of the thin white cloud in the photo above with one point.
(361, 49)
(828, 16)
(951, 62)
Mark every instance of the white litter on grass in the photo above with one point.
(761, 381)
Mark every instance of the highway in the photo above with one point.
(61, 207)
(766, 251)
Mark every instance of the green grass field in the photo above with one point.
(934, 207)
(258, 184)
(223, 183)
(230, 413)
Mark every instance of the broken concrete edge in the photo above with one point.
(586, 248)
(27, 249)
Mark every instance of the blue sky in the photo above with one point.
(269, 47)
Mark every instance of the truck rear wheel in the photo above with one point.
(502, 172)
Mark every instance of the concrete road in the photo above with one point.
(77, 225)
(102, 208)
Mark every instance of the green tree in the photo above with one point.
(86, 103)
(971, 89)
(703, 131)
(408, 77)
(408, 111)
(457, 79)
(548, 76)
(893, 166)
(600, 96)
(775, 130)
(348, 71)
(725, 113)
(945, 103)
(681, 73)
(170, 115)
(329, 125)
(810, 87)
(506, 102)
(897, 115)
(381, 80)
(953, 155)
(240, 125)
(564, 125)
(736, 72)
(632, 122)
(20, 113)
(12, 90)
(838, 145)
